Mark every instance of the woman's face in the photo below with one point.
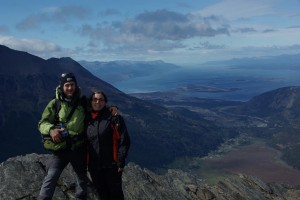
(98, 102)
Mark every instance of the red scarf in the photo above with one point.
(95, 114)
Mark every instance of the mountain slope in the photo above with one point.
(158, 134)
(280, 106)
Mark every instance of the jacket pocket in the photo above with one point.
(50, 145)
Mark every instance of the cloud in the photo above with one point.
(53, 14)
(109, 12)
(246, 30)
(208, 46)
(31, 22)
(4, 29)
(34, 46)
(155, 31)
(183, 5)
(169, 25)
(239, 9)
(296, 27)
(269, 30)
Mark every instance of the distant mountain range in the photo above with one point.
(236, 79)
(133, 69)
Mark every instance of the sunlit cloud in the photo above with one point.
(33, 46)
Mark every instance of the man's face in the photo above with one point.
(98, 102)
(69, 88)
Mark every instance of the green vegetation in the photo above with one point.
(291, 156)
(287, 140)
(199, 167)
(211, 175)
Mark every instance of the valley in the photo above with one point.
(176, 125)
(256, 160)
(267, 144)
(242, 155)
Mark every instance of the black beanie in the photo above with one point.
(67, 77)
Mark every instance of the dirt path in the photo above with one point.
(260, 161)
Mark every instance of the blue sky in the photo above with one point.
(185, 32)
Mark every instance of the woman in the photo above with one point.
(108, 145)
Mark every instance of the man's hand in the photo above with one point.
(55, 134)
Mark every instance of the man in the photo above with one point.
(65, 128)
(108, 145)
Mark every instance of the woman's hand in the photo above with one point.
(114, 110)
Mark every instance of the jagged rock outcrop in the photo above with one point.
(21, 178)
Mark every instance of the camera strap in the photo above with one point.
(57, 109)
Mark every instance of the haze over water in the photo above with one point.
(238, 84)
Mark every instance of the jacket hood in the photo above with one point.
(61, 96)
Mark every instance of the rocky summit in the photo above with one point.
(21, 178)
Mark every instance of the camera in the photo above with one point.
(65, 132)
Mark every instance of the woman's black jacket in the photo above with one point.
(101, 141)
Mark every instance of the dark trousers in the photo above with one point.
(108, 183)
(56, 164)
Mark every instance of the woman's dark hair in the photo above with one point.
(98, 92)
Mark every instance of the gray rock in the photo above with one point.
(21, 178)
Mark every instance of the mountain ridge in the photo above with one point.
(22, 176)
(280, 106)
(155, 130)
